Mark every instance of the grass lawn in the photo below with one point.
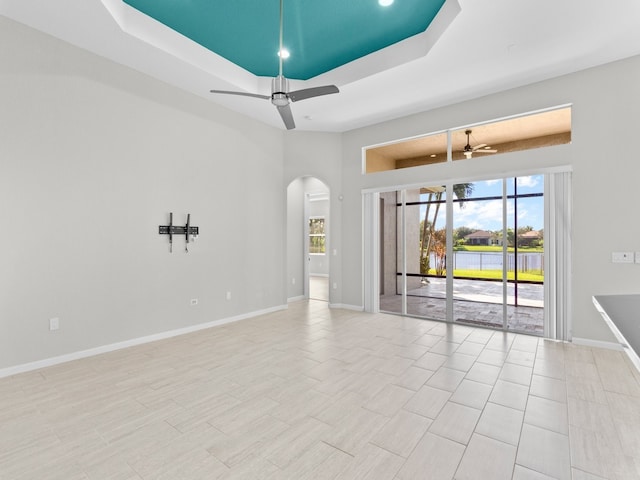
(532, 276)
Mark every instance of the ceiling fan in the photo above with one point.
(280, 94)
(468, 150)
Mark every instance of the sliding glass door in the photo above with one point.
(413, 252)
(493, 245)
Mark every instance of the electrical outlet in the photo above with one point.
(54, 324)
(228, 295)
(335, 286)
(194, 301)
(293, 281)
(622, 257)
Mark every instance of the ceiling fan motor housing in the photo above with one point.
(279, 91)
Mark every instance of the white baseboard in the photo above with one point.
(345, 306)
(587, 342)
(296, 299)
(49, 362)
(326, 275)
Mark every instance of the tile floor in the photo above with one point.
(319, 288)
(313, 393)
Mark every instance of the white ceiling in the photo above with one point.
(489, 46)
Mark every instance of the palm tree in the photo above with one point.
(461, 191)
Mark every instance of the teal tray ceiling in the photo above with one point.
(320, 35)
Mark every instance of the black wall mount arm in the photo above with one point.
(187, 230)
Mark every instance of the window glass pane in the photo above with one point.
(425, 150)
(391, 252)
(478, 253)
(426, 246)
(316, 235)
(521, 133)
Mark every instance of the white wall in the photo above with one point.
(606, 102)
(297, 193)
(93, 157)
(318, 155)
(295, 239)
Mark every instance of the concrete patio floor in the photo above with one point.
(475, 302)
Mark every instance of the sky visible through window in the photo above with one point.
(487, 215)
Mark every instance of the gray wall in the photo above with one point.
(606, 102)
(93, 157)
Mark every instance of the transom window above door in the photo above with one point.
(523, 132)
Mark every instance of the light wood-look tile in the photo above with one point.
(372, 463)
(483, 373)
(413, 378)
(355, 431)
(401, 434)
(428, 401)
(460, 361)
(320, 461)
(317, 393)
(389, 400)
(492, 357)
(549, 388)
(472, 394)
(434, 458)
(486, 458)
(455, 422)
(547, 414)
(600, 455)
(580, 475)
(501, 423)
(522, 473)
(510, 395)
(446, 379)
(544, 451)
(431, 361)
(516, 374)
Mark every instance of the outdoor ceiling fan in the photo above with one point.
(468, 150)
(280, 94)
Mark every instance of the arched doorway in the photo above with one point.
(308, 239)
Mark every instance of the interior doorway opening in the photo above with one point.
(308, 239)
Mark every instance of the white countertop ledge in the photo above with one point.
(622, 314)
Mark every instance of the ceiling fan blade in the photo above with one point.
(244, 94)
(485, 151)
(287, 116)
(312, 92)
(479, 146)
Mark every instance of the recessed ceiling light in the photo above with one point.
(385, 3)
(284, 53)
(433, 155)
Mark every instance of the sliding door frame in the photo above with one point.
(557, 324)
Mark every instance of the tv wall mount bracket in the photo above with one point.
(188, 231)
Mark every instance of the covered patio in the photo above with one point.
(475, 302)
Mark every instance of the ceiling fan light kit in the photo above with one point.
(468, 150)
(280, 94)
